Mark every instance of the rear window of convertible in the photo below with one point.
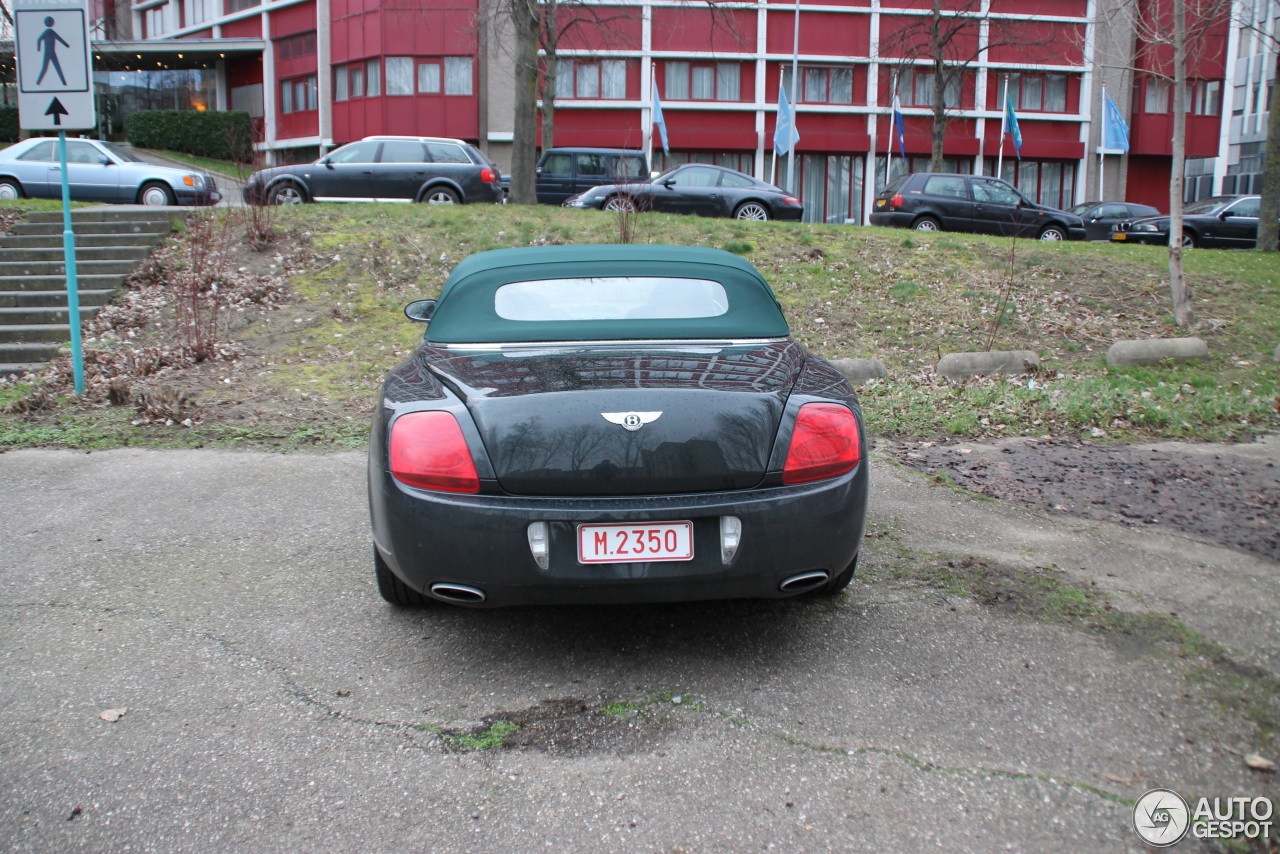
(611, 298)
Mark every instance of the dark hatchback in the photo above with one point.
(938, 201)
(1102, 218)
(699, 189)
(383, 169)
(612, 424)
(566, 172)
(1223, 222)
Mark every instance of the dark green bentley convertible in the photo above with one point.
(596, 424)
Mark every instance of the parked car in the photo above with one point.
(1224, 222)
(940, 201)
(695, 188)
(383, 169)
(98, 172)
(566, 172)
(1102, 218)
(593, 424)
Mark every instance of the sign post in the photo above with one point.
(55, 92)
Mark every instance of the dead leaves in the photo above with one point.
(112, 715)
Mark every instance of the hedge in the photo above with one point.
(8, 124)
(221, 135)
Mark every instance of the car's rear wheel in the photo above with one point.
(753, 211)
(393, 589)
(155, 195)
(840, 582)
(10, 189)
(441, 196)
(1052, 233)
(927, 223)
(620, 204)
(286, 193)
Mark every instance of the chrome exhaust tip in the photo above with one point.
(804, 581)
(460, 593)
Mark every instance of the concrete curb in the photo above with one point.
(1153, 351)
(958, 366)
(858, 371)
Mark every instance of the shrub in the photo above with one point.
(221, 135)
(8, 124)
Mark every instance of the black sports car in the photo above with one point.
(695, 188)
(1225, 222)
(1102, 218)
(593, 424)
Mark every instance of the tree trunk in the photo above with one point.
(1178, 289)
(524, 140)
(939, 135)
(550, 44)
(1270, 209)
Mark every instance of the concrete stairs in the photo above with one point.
(110, 243)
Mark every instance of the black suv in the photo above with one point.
(566, 172)
(938, 201)
(383, 169)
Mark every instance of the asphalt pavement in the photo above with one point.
(271, 701)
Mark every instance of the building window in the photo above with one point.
(356, 76)
(1045, 93)
(719, 81)
(428, 78)
(399, 75)
(1157, 100)
(457, 75)
(339, 83)
(741, 161)
(159, 20)
(373, 77)
(1207, 98)
(821, 85)
(298, 94)
(240, 5)
(294, 47)
(915, 88)
(197, 12)
(1047, 182)
(592, 79)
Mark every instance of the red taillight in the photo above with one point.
(791, 200)
(896, 200)
(429, 451)
(824, 444)
(488, 176)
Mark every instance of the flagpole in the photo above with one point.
(888, 163)
(1004, 117)
(795, 104)
(1103, 147)
(653, 88)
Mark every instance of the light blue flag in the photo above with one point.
(658, 121)
(1011, 126)
(785, 134)
(1115, 133)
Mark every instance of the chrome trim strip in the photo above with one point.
(670, 343)
(359, 199)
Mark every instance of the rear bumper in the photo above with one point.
(893, 219)
(481, 541)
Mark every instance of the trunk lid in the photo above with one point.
(608, 420)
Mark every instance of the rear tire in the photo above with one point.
(752, 211)
(927, 223)
(441, 196)
(392, 588)
(156, 195)
(840, 582)
(10, 189)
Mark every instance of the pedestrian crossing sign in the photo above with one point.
(55, 75)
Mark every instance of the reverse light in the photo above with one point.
(428, 451)
(488, 176)
(895, 201)
(824, 444)
(730, 537)
(539, 545)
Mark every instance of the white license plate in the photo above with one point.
(653, 541)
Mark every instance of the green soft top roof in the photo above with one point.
(466, 311)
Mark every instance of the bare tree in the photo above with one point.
(949, 39)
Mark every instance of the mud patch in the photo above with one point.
(1228, 494)
(565, 726)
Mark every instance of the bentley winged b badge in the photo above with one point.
(633, 421)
